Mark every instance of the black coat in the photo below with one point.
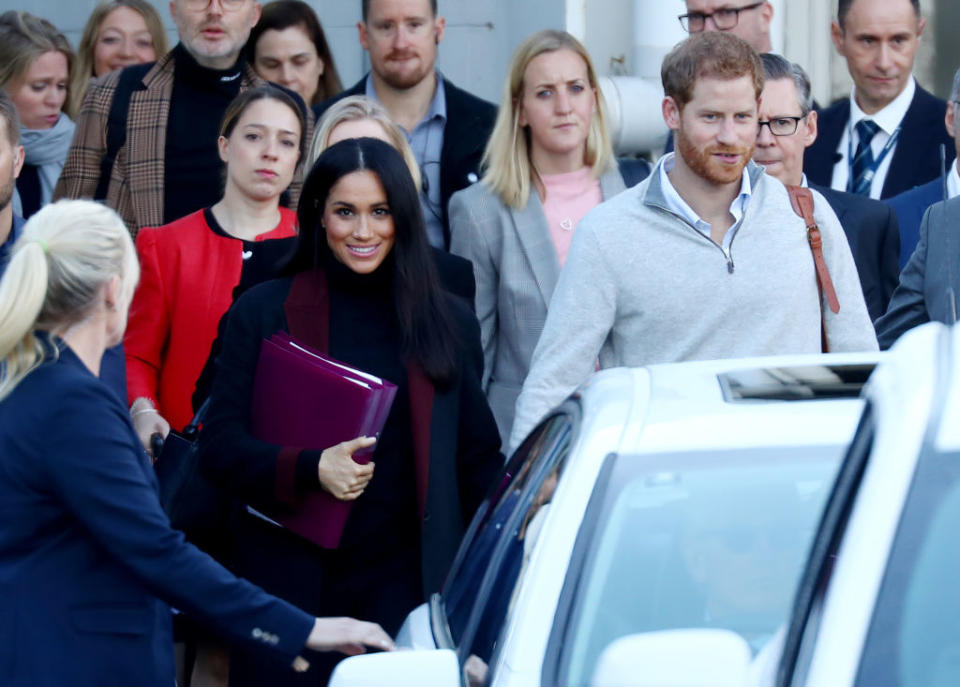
(873, 234)
(469, 123)
(916, 159)
(455, 438)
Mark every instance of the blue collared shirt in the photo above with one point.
(7, 246)
(678, 205)
(426, 140)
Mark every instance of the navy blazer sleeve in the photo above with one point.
(95, 466)
(908, 307)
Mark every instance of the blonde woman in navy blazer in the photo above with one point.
(551, 122)
(86, 553)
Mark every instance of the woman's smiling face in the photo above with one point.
(358, 221)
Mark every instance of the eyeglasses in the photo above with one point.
(724, 18)
(201, 5)
(781, 126)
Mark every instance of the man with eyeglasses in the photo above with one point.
(911, 204)
(884, 139)
(748, 20)
(154, 158)
(447, 128)
(788, 125)
(704, 259)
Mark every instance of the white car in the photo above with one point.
(654, 499)
(879, 601)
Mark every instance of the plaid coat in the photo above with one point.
(136, 183)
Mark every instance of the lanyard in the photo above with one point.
(872, 170)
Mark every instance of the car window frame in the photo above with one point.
(570, 412)
(804, 626)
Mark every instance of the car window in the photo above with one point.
(914, 635)
(494, 519)
(704, 540)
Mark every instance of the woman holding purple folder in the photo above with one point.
(362, 288)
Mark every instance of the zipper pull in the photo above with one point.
(729, 258)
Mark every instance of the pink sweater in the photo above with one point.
(569, 197)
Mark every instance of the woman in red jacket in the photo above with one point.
(190, 267)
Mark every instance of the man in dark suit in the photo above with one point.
(884, 138)
(447, 127)
(930, 283)
(911, 204)
(788, 125)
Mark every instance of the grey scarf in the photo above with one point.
(47, 150)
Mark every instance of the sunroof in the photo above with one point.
(803, 383)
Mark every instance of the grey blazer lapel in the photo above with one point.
(530, 223)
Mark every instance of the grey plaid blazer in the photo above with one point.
(136, 183)
(516, 267)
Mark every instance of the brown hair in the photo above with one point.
(239, 105)
(11, 122)
(710, 54)
(24, 38)
(282, 14)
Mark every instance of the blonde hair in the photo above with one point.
(83, 70)
(68, 251)
(506, 160)
(24, 38)
(355, 108)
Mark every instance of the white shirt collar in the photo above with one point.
(889, 117)
(953, 181)
(678, 205)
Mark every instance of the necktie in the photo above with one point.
(863, 160)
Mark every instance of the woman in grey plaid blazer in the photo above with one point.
(548, 161)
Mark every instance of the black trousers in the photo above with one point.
(379, 586)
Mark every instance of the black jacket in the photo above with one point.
(916, 159)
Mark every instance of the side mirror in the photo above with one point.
(398, 669)
(675, 658)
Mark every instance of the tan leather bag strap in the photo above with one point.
(802, 201)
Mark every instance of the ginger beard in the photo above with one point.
(704, 164)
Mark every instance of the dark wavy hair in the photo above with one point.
(282, 14)
(427, 333)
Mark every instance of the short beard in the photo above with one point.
(6, 192)
(703, 164)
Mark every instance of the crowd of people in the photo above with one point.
(486, 259)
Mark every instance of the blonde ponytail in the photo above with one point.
(67, 252)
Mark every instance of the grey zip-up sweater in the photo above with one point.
(643, 286)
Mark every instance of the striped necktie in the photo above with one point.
(863, 171)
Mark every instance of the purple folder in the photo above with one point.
(304, 398)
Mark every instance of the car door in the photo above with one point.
(479, 592)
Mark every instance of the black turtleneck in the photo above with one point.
(364, 333)
(192, 177)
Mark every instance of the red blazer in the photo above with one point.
(188, 273)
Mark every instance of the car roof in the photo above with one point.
(685, 407)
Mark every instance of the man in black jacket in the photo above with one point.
(447, 127)
(884, 139)
(788, 125)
